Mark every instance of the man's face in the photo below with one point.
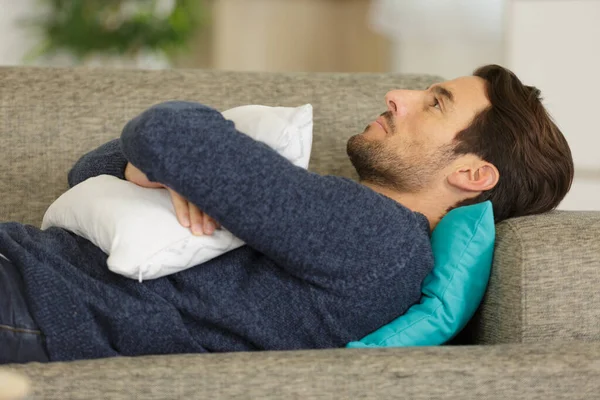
(409, 148)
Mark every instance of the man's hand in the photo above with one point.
(187, 213)
(190, 216)
(133, 174)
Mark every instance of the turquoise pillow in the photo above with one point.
(463, 246)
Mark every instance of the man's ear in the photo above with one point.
(475, 178)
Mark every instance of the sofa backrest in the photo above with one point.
(545, 281)
(52, 116)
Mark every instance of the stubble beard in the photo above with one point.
(395, 169)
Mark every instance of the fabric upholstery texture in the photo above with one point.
(543, 295)
(544, 282)
(534, 372)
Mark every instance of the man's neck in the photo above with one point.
(422, 202)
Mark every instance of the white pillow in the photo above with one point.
(137, 227)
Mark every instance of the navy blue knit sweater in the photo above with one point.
(327, 260)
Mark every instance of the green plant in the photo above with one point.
(116, 27)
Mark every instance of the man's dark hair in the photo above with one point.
(517, 135)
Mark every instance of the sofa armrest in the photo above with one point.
(544, 282)
(569, 371)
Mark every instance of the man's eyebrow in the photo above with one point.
(443, 92)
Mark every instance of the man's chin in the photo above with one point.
(362, 152)
(354, 143)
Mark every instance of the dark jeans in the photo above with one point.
(20, 339)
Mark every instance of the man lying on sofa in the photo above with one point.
(327, 261)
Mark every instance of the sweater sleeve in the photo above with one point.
(319, 228)
(107, 159)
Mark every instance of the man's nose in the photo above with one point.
(399, 101)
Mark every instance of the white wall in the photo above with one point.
(555, 45)
(449, 59)
(15, 41)
(449, 38)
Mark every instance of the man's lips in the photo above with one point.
(382, 123)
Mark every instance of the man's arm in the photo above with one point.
(320, 228)
(107, 159)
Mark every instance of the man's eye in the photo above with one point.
(436, 103)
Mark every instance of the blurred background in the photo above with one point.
(552, 44)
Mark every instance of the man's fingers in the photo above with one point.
(209, 225)
(215, 223)
(190, 216)
(196, 217)
(181, 208)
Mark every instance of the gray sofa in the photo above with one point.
(536, 335)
